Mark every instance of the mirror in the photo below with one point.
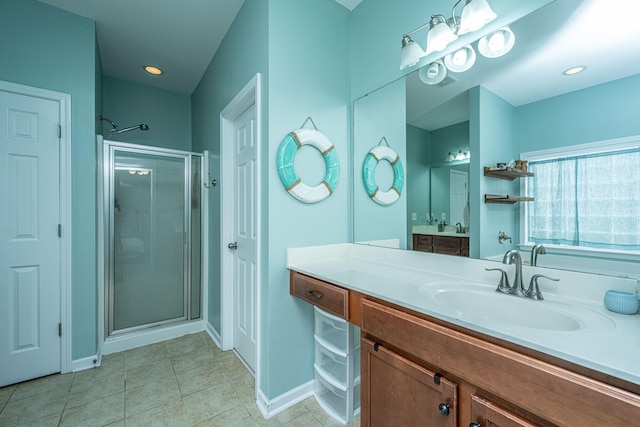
(501, 102)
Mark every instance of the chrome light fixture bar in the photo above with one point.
(475, 15)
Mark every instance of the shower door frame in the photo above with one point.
(108, 150)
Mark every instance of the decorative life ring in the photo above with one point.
(377, 153)
(292, 183)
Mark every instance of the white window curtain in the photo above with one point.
(590, 200)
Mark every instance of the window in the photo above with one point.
(586, 196)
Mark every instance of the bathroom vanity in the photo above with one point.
(426, 238)
(445, 349)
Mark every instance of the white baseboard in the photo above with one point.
(86, 362)
(150, 336)
(272, 407)
(215, 335)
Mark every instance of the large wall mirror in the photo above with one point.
(499, 108)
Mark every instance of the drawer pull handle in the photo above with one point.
(475, 425)
(315, 294)
(444, 409)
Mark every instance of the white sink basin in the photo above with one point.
(480, 303)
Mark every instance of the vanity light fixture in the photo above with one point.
(439, 35)
(497, 43)
(151, 69)
(433, 73)
(460, 60)
(574, 70)
(410, 53)
(442, 32)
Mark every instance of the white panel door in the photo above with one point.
(29, 244)
(244, 262)
(458, 196)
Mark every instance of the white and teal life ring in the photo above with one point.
(290, 180)
(377, 153)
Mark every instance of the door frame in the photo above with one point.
(64, 110)
(249, 95)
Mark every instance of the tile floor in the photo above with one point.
(186, 381)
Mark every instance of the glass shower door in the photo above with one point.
(148, 242)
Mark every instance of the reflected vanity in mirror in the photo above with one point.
(497, 109)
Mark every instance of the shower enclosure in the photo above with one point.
(152, 215)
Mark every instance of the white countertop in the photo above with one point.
(432, 230)
(396, 276)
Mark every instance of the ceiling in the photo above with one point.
(601, 34)
(165, 33)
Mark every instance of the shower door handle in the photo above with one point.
(233, 245)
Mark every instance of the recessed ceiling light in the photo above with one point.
(574, 70)
(153, 70)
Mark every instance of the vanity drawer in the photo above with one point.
(422, 243)
(446, 242)
(328, 297)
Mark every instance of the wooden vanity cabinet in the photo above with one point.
(526, 391)
(484, 413)
(398, 392)
(483, 381)
(446, 245)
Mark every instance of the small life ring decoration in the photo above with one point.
(290, 180)
(377, 153)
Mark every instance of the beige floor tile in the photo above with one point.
(280, 419)
(185, 344)
(146, 355)
(49, 421)
(6, 392)
(188, 361)
(200, 378)
(85, 391)
(320, 414)
(154, 371)
(98, 412)
(234, 417)
(36, 406)
(304, 420)
(245, 387)
(172, 414)
(55, 382)
(210, 402)
(110, 365)
(151, 395)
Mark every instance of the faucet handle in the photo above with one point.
(533, 291)
(503, 285)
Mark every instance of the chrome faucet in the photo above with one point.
(537, 250)
(533, 291)
(513, 256)
(459, 228)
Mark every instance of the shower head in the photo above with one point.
(137, 127)
(116, 129)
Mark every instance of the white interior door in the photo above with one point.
(245, 237)
(30, 247)
(458, 195)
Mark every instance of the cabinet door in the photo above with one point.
(398, 392)
(487, 414)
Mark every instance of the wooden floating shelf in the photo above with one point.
(495, 198)
(509, 173)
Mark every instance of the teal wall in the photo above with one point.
(599, 113)
(372, 220)
(492, 141)
(302, 75)
(168, 114)
(417, 169)
(45, 47)
(227, 74)
(308, 76)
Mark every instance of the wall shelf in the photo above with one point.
(495, 198)
(509, 173)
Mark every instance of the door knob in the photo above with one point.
(233, 245)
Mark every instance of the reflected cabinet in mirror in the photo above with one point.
(525, 101)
